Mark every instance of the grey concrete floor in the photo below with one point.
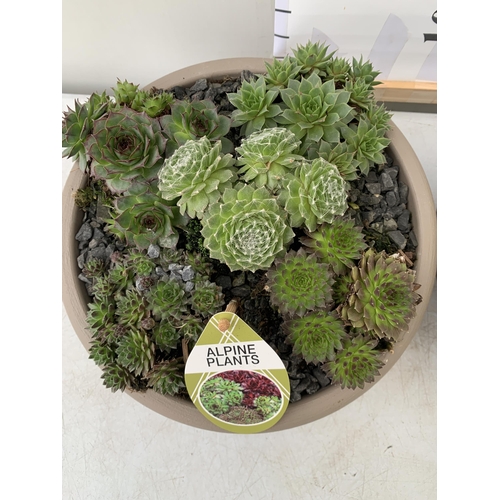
(381, 446)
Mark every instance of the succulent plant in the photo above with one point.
(342, 289)
(139, 263)
(152, 105)
(94, 268)
(364, 71)
(100, 313)
(167, 378)
(103, 287)
(167, 300)
(191, 327)
(361, 93)
(367, 142)
(313, 58)
(313, 110)
(101, 353)
(315, 336)
(166, 336)
(146, 219)
(339, 70)
(315, 193)
(135, 352)
(115, 377)
(125, 146)
(193, 120)
(299, 283)
(266, 156)
(125, 92)
(78, 124)
(339, 244)
(200, 263)
(197, 174)
(131, 308)
(356, 364)
(254, 106)
(383, 296)
(280, 71)
(248, 230)
(378, 116)
(207, 298)
(338, 155)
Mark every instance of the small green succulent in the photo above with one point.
(299, 283)
(367, 142)
(339, 70)
(339, 244)
(196, 175)
(167, 300)
(146, 219)
(152, 104)
(191, 328)
(125, 92)
(313, 58)
(167, 378)
(266, 156)
(78, 125)
(94, 268)
(383, 298)
(361, 93)
(126, 147)
(193, 120)
(314, 109)
(356, 364)
(100, 313)
(139, 264)
(166, 336)
(103, 287)
(135, 352)
(247, 230)
(131, 308)
(116, 377)
(342, 289)
(207, 298)
(101, 353)
(378, 116)
(338, 155)
(200, 263)
(316, 336)
(254, 106)
(364, 71)
(280, 71)
(314, 193)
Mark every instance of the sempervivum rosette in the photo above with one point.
(125, 145)
(383, 297)
(315, 193)
(197, 174)
(248, 230)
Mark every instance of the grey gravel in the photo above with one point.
(386, 181)
(187, 273)
(390, 225)
(404, 221)
(391, 199)
(374, 187)
(321, 377)
(189, 286)
(200, 84)
(84, 233)
(153, 251)
(398, 238)
(239, 280)
(241, 291)
(403, 192)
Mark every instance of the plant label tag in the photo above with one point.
(235, 378)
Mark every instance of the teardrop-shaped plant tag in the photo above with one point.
(235, 378)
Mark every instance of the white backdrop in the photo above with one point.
(142, 40)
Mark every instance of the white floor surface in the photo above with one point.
(381, 446)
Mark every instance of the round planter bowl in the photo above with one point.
(328, 399)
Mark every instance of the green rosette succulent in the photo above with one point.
(280, 71)
(166, 336)
(364, 71)
(124, 92)
(152, 104)
(78, 124)
(100, 313)
(339, 244)
(167, 378)
(366, 142)
(316, 336)
(125, 146)
(135, 352)
(191, 327)
(356, 364)
(266, 156)
(254, 106)
(313, 58)
(116, 378)
(299, 283)
(315, 193)
(377, 116)
(383, 298)
(337, 155)
(146, 219)
(339, 70)
(167, 300)
(361, 93)
(196, 175)
(103, 287)
(139, 263)
(248, 230)
(101, 353)
(131, 308)
(314, 109)
(207, 298)
(193, 120)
